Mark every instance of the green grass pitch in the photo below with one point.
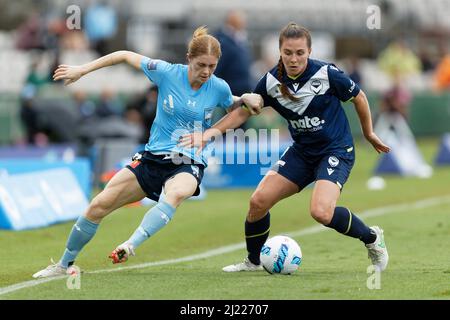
(417, 236)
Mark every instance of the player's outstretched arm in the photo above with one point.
(230, 121)
(71, 74)
(362, 108)
(250, 104)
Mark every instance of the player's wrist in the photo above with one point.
(210, 133)
(84, 70)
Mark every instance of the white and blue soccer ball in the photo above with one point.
(281, 255)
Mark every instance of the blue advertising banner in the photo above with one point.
(80, 167)
(38, 199)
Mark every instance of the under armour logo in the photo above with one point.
(191, 103)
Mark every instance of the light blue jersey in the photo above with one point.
(180, 109)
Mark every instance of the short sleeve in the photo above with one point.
(154, 69)
(225, 95)
(344, 87)
(261, 89)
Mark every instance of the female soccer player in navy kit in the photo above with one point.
(187, 96)
(308, 94)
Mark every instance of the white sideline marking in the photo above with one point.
(425, 203)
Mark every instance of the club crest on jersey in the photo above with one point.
(151, 65)
(316, 86)
(208, 115)
(333, 161)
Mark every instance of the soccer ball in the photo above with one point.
(281, 254)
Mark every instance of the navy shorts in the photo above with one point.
(152, 172)
(334, 166)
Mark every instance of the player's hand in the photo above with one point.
(193, 140)
(67, 73)
(254, 102)
(377, 143)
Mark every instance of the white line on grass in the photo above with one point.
(425, 203)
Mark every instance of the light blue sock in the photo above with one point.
(156, 218)
(82, 232)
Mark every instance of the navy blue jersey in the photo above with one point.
(317, 121)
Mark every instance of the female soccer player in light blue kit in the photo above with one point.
(308, 94)
(187, 96)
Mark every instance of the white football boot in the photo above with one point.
(246, 265)
(377, 251)
(53, 270)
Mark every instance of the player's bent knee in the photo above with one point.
(178, 195)
(321, 214)
(259, 203)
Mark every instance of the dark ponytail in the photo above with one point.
(283, 88)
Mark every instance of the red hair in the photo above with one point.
(203, 43)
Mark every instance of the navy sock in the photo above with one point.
(347, 223)
(256, 234)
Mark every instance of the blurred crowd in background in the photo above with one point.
(408, 55)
